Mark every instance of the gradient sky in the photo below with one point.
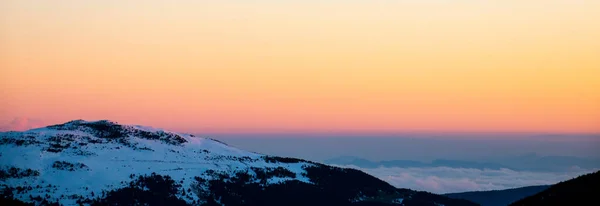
(305, 66)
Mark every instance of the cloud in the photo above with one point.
(22, 124)
(442, 180)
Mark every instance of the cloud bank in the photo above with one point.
(442, 180)
(22, 124)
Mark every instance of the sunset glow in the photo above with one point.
(305, 66)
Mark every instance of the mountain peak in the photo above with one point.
(111, 130)
(80, 124)
(84, 122)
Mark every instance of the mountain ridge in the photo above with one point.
(365, 163)
(529, 162)
(106, 163)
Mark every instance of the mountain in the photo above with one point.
(364, 163)
(582, 190)
(498, 197)
(356, 161)
(535, 162)
(528, 162)
(106, 163)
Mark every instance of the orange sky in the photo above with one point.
(308, 66)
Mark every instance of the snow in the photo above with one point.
(278, 180)
(112, 163)
(359, 198)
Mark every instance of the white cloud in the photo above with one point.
(22, 124)
(449, 180)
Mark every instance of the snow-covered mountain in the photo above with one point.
(106, 163)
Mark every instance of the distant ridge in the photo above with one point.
(528, 162)
(364, 163)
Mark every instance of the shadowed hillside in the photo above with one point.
(498, 197)
(582, 190)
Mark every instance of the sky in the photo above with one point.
(355, 66)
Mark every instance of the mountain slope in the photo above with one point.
(582, 190)
(105, 163)
(498, 197)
